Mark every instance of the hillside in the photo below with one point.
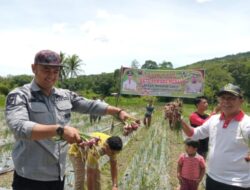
(241, 58)
(219, 71)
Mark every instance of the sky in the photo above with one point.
(108, 34)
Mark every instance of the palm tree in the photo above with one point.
(73, 64)
(63, 71)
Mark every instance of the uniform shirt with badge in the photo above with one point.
(27, 106)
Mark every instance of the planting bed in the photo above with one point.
(148, 160)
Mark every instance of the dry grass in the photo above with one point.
(6, 180)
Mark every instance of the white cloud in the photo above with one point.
(106, 37)
(203, 1)
(102, 14)
(59, 27)
(88, 27)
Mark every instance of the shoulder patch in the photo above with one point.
(11, 100)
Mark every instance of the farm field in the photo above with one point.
(148, 160)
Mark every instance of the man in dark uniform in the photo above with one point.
(38, 111)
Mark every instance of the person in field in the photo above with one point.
(103, 101)
(197, 118)
(39, 111)
(148, 115)
(229, 137)
(191, 167)
(93, 117)
(107, 145)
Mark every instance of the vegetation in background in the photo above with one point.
(218, 72)
(72, 66)
(2, 101)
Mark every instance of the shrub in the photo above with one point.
(2, 101)
(4, 89)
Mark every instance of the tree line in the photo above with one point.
(218, 72)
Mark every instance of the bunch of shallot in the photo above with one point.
(172, 112)
(130, 126)
(89, 141)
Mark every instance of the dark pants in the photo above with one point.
(203, 147)
(21, 183)
(147, 120)
(215, 185)
(93, 119)
(188, 184)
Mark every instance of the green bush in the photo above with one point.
(4, 89)
(124, 101)
(2, 101)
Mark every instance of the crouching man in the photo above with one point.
(106, 145)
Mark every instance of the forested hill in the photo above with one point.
(219, 71)
(242, 58)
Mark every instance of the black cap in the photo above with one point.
(48, 57)
(230, 88)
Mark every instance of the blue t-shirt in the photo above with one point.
(149, 110)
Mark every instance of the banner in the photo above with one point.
(171, 83)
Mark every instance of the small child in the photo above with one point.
(191, 166)
(148, 114)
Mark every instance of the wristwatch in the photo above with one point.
(60, 131)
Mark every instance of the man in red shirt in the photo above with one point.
(197, 118)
